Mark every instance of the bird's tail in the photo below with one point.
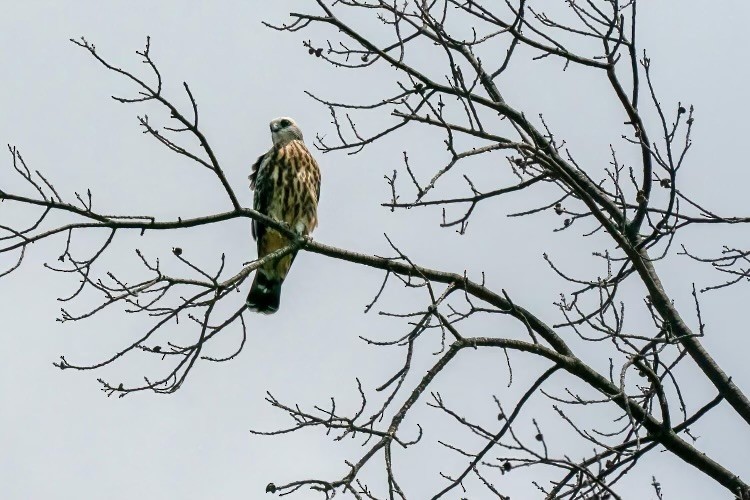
(265, 293)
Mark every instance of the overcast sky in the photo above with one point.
(62, 438)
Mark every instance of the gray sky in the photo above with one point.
(62, 438)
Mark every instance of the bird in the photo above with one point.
(286, 185)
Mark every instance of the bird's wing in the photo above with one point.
(259, 182)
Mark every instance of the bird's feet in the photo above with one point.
(301, 230)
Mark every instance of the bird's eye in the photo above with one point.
(285, 123)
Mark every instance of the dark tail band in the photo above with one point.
(265, 294)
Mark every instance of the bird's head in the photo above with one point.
(283, 130)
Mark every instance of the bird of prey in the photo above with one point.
(286, 181)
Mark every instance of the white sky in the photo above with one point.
(62, 438)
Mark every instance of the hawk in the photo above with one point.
(286, 181)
